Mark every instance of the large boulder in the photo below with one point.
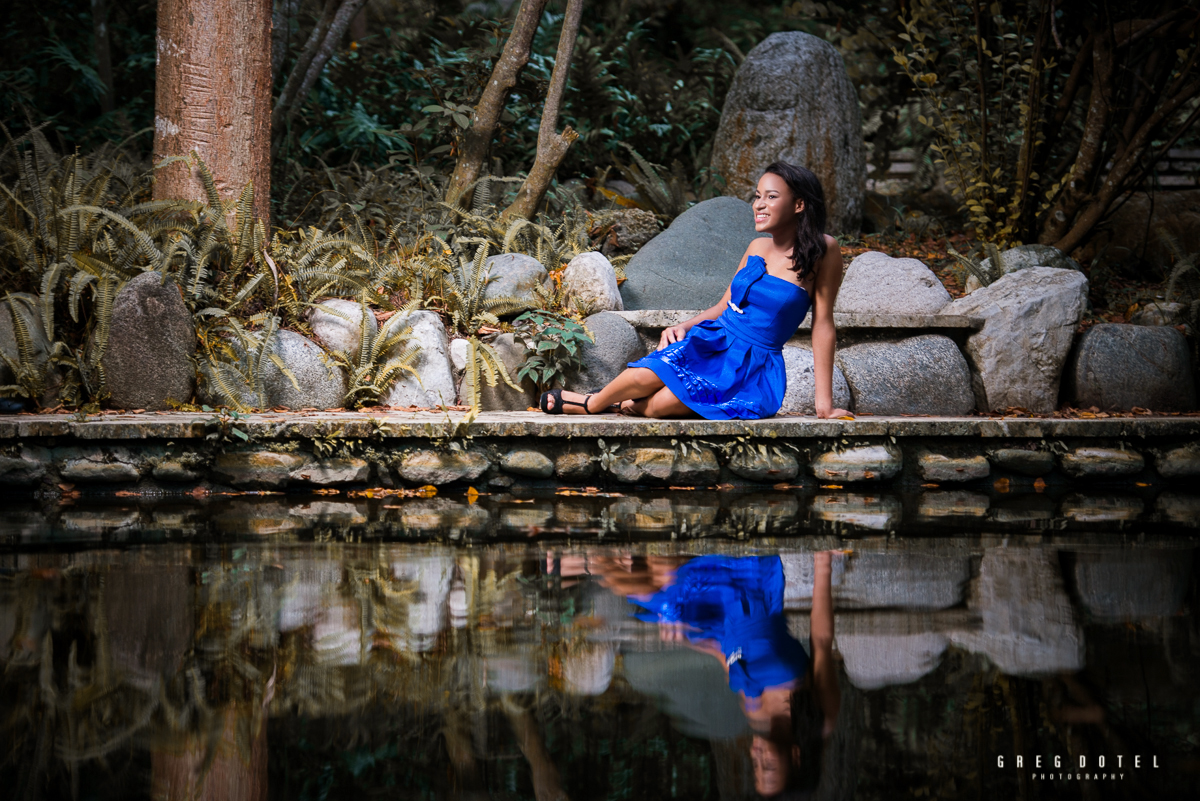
(1028, 626)
(319, 383)
(26, 306)
(792, 100)
(617, 343)
(502, 397)
(690, 265)
(433, 385)
(591, 284)
(1123, 585)
(322, 385)
(337, 324)
(151, 341)
(801, 394)
(1121, 366)
(514, 275)
(1029, 324)
(1022, 257)
(924, 374)
(876, 283)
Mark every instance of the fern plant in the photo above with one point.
(986, 275)
(667, 196)
(377, 366)
(233, 363)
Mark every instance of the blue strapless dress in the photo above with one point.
(737, 601)
(732, 367)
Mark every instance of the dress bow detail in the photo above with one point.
(738, 297)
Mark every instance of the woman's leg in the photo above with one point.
(633, 382)
(662, 404)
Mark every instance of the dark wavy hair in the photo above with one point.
(810, 244)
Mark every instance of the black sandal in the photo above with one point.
(559, 401)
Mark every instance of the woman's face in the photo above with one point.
(774, 209)
(771, 769)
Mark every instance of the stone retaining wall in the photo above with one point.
(501, 450)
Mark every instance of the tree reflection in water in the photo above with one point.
(426, 671)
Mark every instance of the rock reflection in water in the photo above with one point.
(335, 670)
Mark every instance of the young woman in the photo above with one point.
(727, 361)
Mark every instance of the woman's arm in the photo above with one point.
(825, 683)
(678, 332)
(824, 333)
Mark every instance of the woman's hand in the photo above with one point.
(671, 335)
(827, 413)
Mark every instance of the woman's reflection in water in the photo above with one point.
(732, 609)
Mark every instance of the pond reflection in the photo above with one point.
(698, 669)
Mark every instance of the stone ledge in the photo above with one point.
(420, 425)
(662, 318)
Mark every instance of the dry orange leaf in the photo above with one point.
(1039, 485)
(1001, 485)
(831, 486)
(930, 485)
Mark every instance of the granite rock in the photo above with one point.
(514, 275)
(433, 384)
(1092, 461)
(337, 324)
(1022, 257)
(501, 397)
(673, 271)
(768, 465)
(1181, 462)
(1023, 461)
(860, 463)
(942, 467)
(574, 466)
(525, 462)
(792, 100)
(322, 384)
(151, 342)
(925, 374)
(616, 344)
(1029, 324)
(26, 467)
(876, 283)
(874, 512)
(590, 284)
(442, 467)
(261, 469)
(1121, 366)
(1133, 584)
(801, 394)
(96, 465)
(1160, 313)
(326, 472)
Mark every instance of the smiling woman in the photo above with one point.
(727, 362)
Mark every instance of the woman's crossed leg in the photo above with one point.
(639, 392)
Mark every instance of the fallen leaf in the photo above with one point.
(786, 486)
(681, 488)
(831, 486)
(328, 491)
(1039, 485)
(1141, 484)
(1001, 485)
(930, 486)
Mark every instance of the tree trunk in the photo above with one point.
(473, 147)
(213, 96)
(552, 146)
(103, 52)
